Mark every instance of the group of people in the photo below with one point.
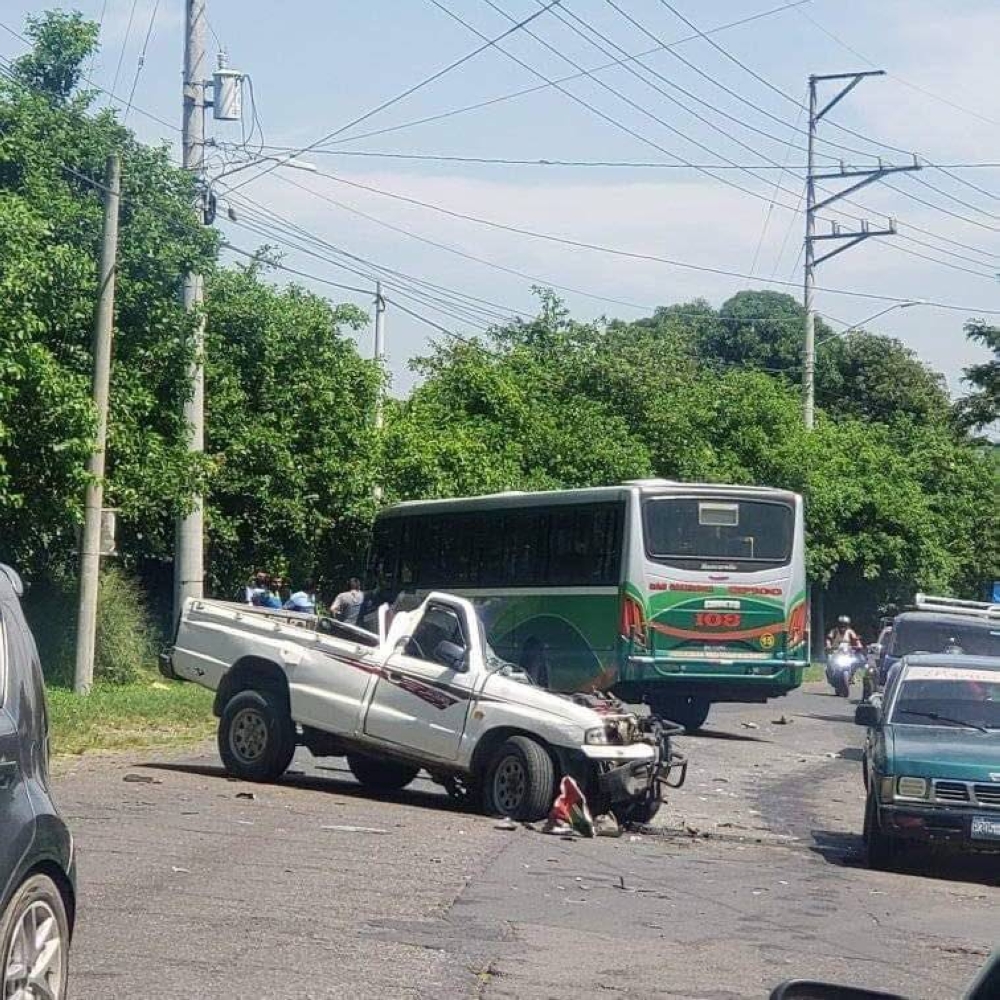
(265, 590)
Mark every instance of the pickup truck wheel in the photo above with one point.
(380, 775)
(520, 781)
(881, 849)
(256, 736)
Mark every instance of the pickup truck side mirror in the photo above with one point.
(866, 714)
(452, 655)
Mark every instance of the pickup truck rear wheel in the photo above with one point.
(256, 736)
(380, 775)
(520, 780)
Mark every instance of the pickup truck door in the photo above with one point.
(421, 700)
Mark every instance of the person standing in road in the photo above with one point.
(346, 606)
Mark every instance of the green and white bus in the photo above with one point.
(678, 594)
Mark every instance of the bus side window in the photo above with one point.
(524, 549)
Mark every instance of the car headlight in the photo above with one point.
(597, 736)
(888, 789)
(912, 788)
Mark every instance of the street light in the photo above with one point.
(881, 312)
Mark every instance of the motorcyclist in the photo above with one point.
(842, 632)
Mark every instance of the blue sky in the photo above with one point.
(316, 66)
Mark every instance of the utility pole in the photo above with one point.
(846, 239)
(90, 543)
(189, 568)
(379, 360)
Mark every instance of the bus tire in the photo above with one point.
(690, 712)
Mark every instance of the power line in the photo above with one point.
(788, 97)
(546, 161)
(630, 254)
(601, 114)
(121, 54)
(142, 60)
(743, 99)
(573, 76)
(103, 90)
(488, 44)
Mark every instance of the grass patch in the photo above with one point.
(148, 712)
(814, 672)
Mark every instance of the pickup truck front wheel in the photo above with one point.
(520, 781)
(256, 736)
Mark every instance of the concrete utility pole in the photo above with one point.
(90, 543)
(850, 239)
(189, 557)
(380, 359)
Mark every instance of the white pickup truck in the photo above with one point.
(427, 693)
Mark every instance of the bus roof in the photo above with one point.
(646, 487)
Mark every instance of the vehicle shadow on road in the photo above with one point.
(846, 850)
(339, 782)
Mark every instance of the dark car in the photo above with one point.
(37, 886)
(936, 628)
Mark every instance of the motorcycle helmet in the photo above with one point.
(844, 620)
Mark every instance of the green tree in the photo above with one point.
(289, 432)
(982, 406)
(52, 154)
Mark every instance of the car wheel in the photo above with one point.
(520, 781)
(380, 775)
(256, 736)
(34, 942)
(881, 849)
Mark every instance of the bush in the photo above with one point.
(126, 637)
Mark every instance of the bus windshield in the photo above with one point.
(718, 533)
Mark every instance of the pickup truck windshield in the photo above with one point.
(959, 702)
(723, 533)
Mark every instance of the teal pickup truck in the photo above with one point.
(932, 758)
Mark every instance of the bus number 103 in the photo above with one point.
(715, 619)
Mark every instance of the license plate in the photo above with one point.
(985, 828)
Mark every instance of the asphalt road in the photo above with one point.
(192, 885)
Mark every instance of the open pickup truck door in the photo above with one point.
(426, 685)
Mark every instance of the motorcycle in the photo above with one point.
(841, 666)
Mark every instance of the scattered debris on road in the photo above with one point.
(343, 828)
(252, 796)
(749, 725)
(142, 779)
(782, 721)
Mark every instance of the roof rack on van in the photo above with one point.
(956, 606)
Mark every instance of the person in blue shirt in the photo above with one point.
(303, 600)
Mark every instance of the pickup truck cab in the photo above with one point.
(933, 758)
(427, 693)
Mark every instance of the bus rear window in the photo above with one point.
(718, 533)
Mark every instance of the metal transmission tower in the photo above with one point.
(845, 238)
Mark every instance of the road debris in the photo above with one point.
(343, 828)
(505, 824)
(142, 779)
(782, 721)
(569, 813)
(180, 871)
(606, 825)
(749, 725)
(252, 796)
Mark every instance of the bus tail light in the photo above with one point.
(632, 623)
